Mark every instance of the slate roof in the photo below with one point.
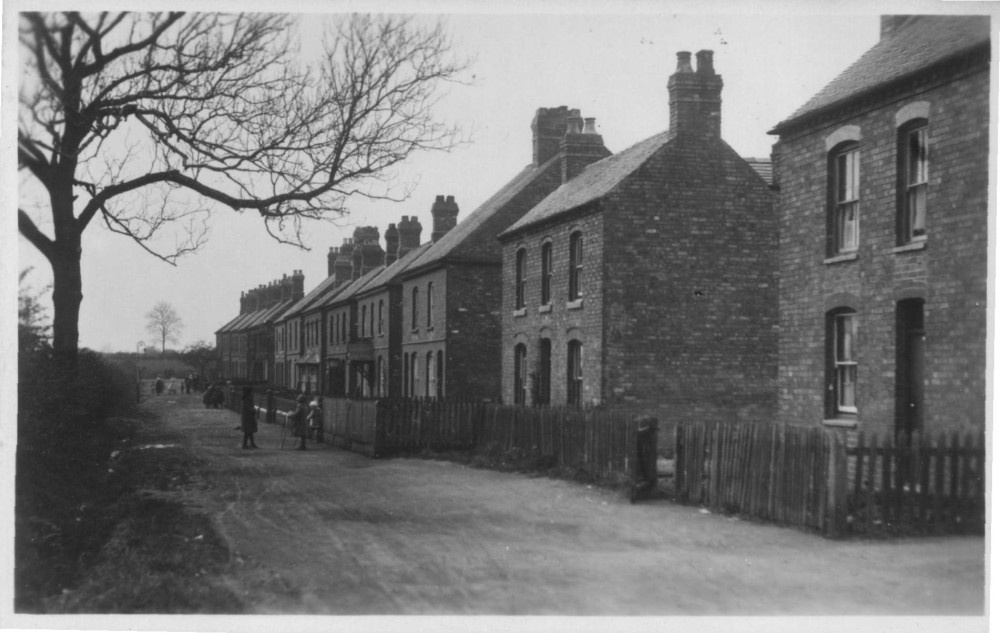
(309, 298)
(389, 273)
(238, 323)
(763, 168)
(229, 324)
(474, 238)
(921, 41)
(595, 181)
(348, 290)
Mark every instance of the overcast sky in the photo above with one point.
(610, 60)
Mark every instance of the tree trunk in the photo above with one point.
(67, 282)
(67, 294)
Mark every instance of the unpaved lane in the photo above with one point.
(326, 531)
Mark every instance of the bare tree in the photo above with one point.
(164, 322)
(140, 118)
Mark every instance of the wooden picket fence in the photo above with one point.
(600, 443)
(837, 483)
(916, 483)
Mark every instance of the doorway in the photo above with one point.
(911, 340)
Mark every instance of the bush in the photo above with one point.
(66, 432)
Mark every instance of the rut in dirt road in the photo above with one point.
(327, 531)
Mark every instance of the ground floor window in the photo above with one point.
(440, 374)
(843, 386)
(520, 373)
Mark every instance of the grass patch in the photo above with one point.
(160, 558)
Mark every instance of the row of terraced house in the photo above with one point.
(843, 281)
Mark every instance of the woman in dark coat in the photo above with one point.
(300, 426)
(248, 418)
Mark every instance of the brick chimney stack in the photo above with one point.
(343, 264)
(243, 302)
(547, 129)
(391, 244)
(409, 235)
(695, 96)
(298, 285)
(367, 254)
(445, 214)
(286, 288)
(331, 259)
(581, 145)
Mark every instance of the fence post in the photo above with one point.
(645, 463)
(838, 487)
(272, 407)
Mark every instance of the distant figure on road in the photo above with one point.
(213, 397)
(159, 385)
(316, 420)
(187, 384)
(248, 418)
(300, 428)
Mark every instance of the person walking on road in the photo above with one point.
(300, 427)
(158, 385)
(248, 419)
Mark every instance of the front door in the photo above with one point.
(915, 374)
(910, 367)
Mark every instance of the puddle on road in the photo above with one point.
(148, 446)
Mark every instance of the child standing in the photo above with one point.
(316, 420)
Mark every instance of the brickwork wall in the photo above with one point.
(423, 337)
(562, 320)
(472, 358)
(388, 341)
(691, 287)
(950, 273)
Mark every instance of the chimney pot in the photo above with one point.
(574, 125)
(590, 125)
(684, 62)
(705, 66)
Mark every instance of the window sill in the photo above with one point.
(430, 328)
(520, 312)
(415, 331)
(574, 305)
(846, 423)
(912, 246)
(545, 308)
(843, 257)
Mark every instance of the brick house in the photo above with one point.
(379, 308)
(649, 280)
(347, 354)
(884, 180)
(246, 344)
(450, 337)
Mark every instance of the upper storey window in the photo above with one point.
(519, 280)
(575, 266)
(546, 273)
(846, 176)
(913, 194)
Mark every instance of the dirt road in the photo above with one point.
(326, 531)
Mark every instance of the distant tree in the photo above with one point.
(32, 325)
(203, 357)
(139, 117)
(162, 321)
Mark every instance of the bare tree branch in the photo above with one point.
(223, 106)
